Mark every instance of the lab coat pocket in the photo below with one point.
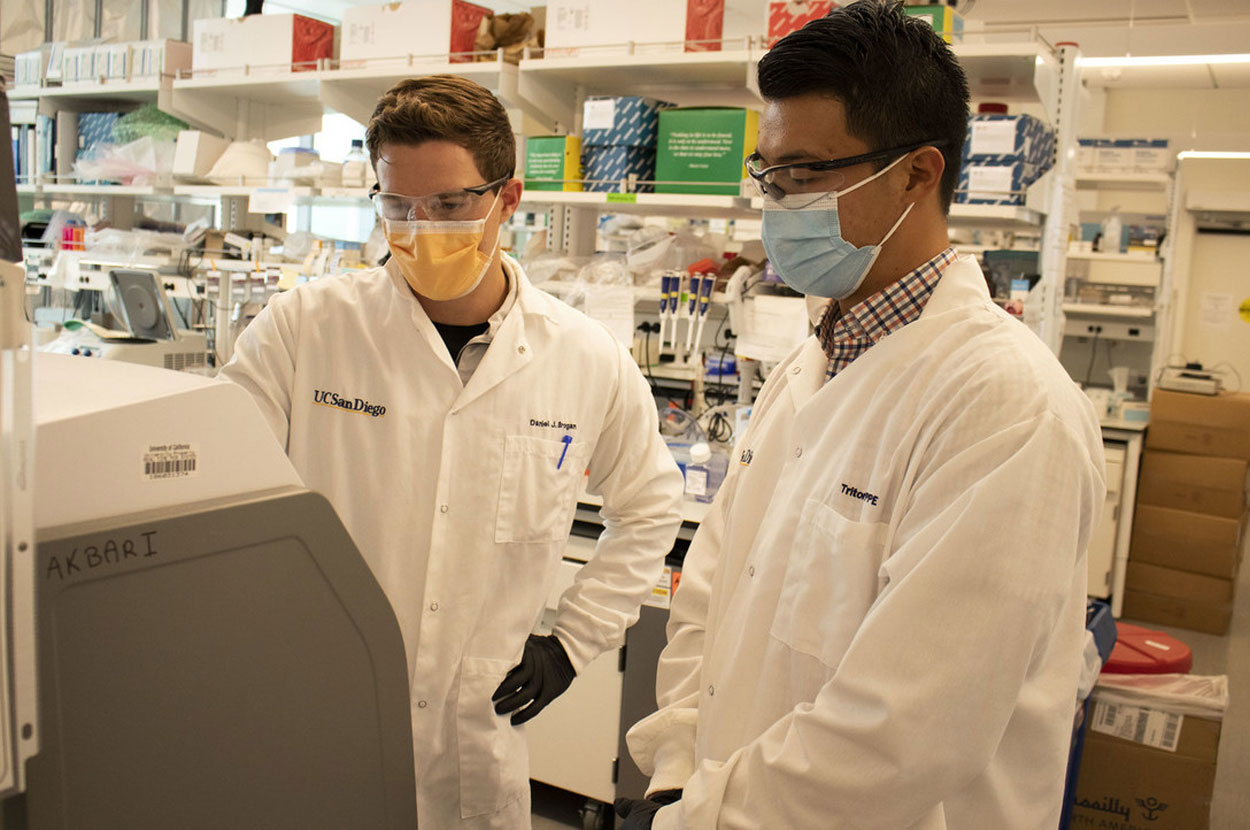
(493, 754)
(830, 583)
(537, 489)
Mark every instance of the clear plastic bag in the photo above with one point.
(141, 162)
(1204, 696)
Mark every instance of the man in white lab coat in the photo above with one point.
(880, 624)
(452, 413)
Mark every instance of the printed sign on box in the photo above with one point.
(791, 15)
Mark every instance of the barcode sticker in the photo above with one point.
(1138, 724)
(166, 461)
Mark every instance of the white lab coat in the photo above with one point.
(458, 499)
(880, 623)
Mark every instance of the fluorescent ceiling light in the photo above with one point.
(1164, 60)
(1212, 154)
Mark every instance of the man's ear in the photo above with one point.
(924, 173)
(510, 198)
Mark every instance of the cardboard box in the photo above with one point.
(704, 146)
(440, 29)
(791, 15)
(271, 43)
(604, 27)
(1198, 483)
(30, 67)
(943, 19)
(1153, 155)
(1216, 425)
(995, 183)
(1155, 579)
(1126, 785)
(1175, 611)
(195, 153)
(553, 162)
(1186, 541)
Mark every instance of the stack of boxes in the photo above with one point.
(396, 30)
(89, 64)
(1124, 155)
(1191, 511)
(1003, 155)
(619, 138)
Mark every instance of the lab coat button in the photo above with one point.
(433, 606)
(421, 704)
(442, 508)
(751, 571)
(520, 349)
(798, 452)
(711, 691)
(797, 369)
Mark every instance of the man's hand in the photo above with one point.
(640, 812)
(542, 675)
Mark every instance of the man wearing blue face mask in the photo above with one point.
(880, 624)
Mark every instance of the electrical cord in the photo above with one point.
(1093, 356)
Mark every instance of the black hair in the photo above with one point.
(899, 82)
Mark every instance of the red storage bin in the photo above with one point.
(1141, 650)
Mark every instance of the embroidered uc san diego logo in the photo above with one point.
(324, 398)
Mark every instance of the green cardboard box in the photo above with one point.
(553, 162)
(705, 146)
(943, 19)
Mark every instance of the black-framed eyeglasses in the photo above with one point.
(453, 205)
(817, 176)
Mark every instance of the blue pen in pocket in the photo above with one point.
(568, 439)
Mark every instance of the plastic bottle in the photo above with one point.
(705, 472)
(356, 165)
(1111, 232)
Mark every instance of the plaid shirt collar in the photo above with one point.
(844, 337)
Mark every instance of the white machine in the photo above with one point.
(211, 649)
(150, 337)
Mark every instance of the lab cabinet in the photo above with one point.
(1101, 551)
(578, 742)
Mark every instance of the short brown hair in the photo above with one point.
(445, 108)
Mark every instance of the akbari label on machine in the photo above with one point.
(166, 461)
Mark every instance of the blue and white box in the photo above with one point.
(619, 169)
(995, 182)
(619, 136)
(627, 121)
(996, 137)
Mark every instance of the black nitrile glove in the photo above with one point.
(542, 676)
(640, 812)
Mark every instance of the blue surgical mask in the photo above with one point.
(803, 239)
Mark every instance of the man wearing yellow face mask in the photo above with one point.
(452, 412)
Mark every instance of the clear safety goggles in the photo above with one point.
(788, 184)
(451, 205)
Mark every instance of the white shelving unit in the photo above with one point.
(275, 102)
(1152, 270)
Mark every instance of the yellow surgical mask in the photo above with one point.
(441, 260)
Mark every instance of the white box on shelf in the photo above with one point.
(114, 61)
(270, 43)
(693, 26)
(154, 58)
(79, 65)
(195, 153)
(431, 28)
(30, 68)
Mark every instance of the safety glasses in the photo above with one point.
(451, 205)
(815, 178)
